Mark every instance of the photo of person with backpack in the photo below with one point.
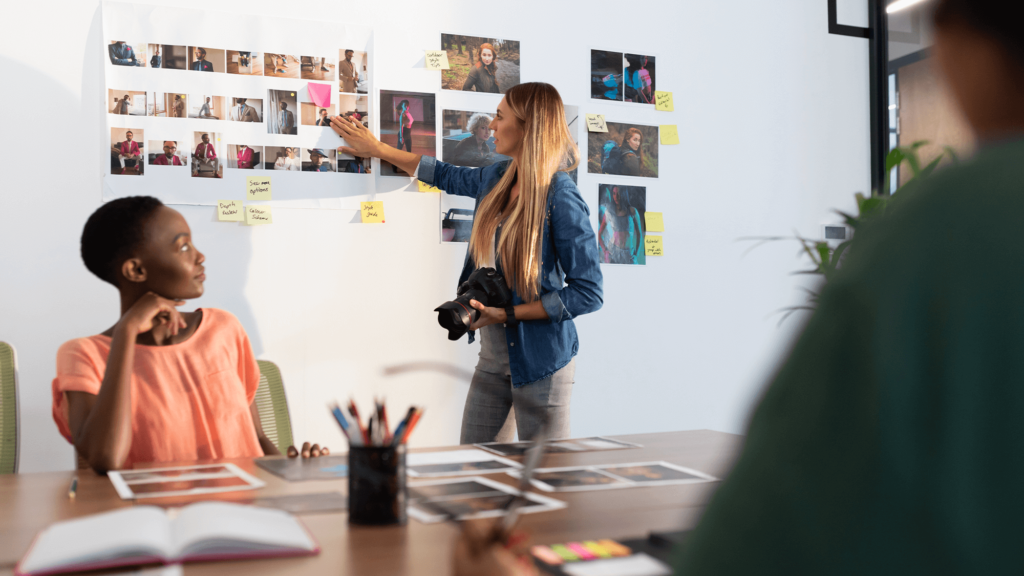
(626, 150)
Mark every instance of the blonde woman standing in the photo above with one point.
(534, 227)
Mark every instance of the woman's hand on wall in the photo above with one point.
(361, 142)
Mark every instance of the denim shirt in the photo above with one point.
(570, 271)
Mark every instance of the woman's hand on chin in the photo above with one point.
(314, 451)
(488, 315)
(361, 142)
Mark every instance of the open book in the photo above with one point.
(148, 534)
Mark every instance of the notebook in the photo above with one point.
(147, 534)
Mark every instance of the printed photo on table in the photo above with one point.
(281, 65)
(606, 74)
(638, 79)
(282, 113)
(246, 110)
(625, 150)
(123, 53)
(317, 67)
(282, 158)
(621, 225)
(245, 157)
(245, 63)
(313, 115)
(207, 107)
(126, 102)
(207, 152)
(174, 57)
(204, 59)
(407, 122)
(355, 108)
(166, 153)
(353, 73)
(126, 149)
(478, 64)
(319, 159)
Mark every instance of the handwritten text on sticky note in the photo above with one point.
(663, 101)
(436, 60)
(654, 222)
(373, 212)
(424, 187)
(652, 246)
(257, 188)
(669, 134)
(596, 123)
(229, 211)
(258, 214)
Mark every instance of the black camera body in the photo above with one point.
(485, 285)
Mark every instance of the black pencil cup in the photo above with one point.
(377, 492)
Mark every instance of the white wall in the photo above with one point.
(773, 116)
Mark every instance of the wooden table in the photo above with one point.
(30, 502)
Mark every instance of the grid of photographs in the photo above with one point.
(478, 64)
(611, 476)
(622, 223)
(622, 77)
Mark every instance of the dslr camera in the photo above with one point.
(485, 285)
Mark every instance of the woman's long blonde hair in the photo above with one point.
(547, 148)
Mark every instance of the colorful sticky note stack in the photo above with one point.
(558, 554)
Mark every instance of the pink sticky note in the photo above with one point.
(320, 94)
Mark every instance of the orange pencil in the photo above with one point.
(412, 424)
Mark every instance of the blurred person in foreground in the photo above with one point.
(892, 440)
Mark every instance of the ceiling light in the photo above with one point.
(901, 5)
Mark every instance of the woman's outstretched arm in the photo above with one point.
(363, 144)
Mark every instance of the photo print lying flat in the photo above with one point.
(471, 498)
(625, 150)
(282, 65)
(126, 149)
(319, 159)
(320, 67)
(207, 155)
(167, 153)
(246, 109)
(457, 463)
(126, 102)
(282, 112)
(329, 467)
(207, 107)
(181, 481)
(245, 157)
(564, 446)
(283, 158)
(621, 223)
(245, 63)
(305, 503)
(204, 59)
(123, 53)
(408, 122)
(353, 72)
(610, 476)
(477, 64)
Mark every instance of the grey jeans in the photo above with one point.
(490, 414)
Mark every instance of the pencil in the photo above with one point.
(412, 424)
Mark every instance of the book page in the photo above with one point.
(139, 531)
(222, 528)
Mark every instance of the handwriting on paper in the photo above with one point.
(258, 214)
(663, 101)
(669, 134)
(257, 188)
(655, 223)
(424, 187)
(229, 211)
(373, 212)
(596, 123)
(436, 60)
(652, 245)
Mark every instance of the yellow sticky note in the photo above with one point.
(373, 212)
(596, 123)
(663, 101)
(436, 60)
(257, 188)
(256, 215)
(229, 211)
(652, 246)
(654, 222)
(424, 187)
(669, 134)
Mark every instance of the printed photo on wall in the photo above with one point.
(622, 77)
(166, 153)
(353, 72)
(246, 110)
(207, 107)
(245, 157)
(156, 56)
(206, 155)
(638, 79)
(167, 104)
(282, 158)
(313, 115)
(174, 57)
(317, 68)
(126, 102)
(479, 64)
(206, 59)
(408, 122)
(245, 63)
(456, 218)
(318, 159)
(281, 65)
(350, 164)
(355, 108)
(621, 226)
(625, 150)
(125, 54)
(126, 151)
(282, 112)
